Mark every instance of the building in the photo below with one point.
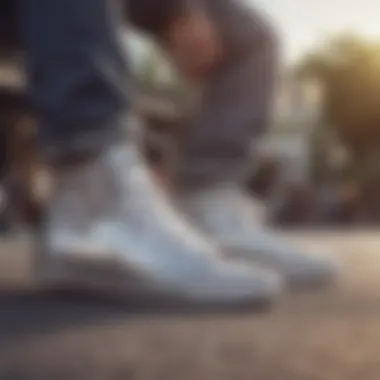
(296, 113)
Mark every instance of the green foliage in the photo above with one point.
(349, 69)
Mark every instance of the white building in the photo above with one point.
(288, 141)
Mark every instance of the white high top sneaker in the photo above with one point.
(227, 215)
(109, 228)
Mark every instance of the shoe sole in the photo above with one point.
(294, 284)
(308, 285)
(62, 272)
(57, 275)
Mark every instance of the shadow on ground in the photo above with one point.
(27, 314)
(327, 336)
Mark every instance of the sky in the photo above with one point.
(302, 23)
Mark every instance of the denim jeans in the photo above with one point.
(78, 74)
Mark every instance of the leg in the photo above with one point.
(234, 113)
(105, 208)
(216, 149)
(77, 73)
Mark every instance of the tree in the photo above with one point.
(349, 69)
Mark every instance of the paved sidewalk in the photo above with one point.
(334, 336)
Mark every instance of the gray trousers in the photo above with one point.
(218, 145)
(79, 80)
(237, 102)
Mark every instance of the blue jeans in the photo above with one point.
(77, 73)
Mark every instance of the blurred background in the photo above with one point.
(317, 171)
(318, 165)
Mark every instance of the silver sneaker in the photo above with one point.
(109, 228)
(227, 215)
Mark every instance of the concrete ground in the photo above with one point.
(330, 336)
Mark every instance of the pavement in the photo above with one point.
(331, 335)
